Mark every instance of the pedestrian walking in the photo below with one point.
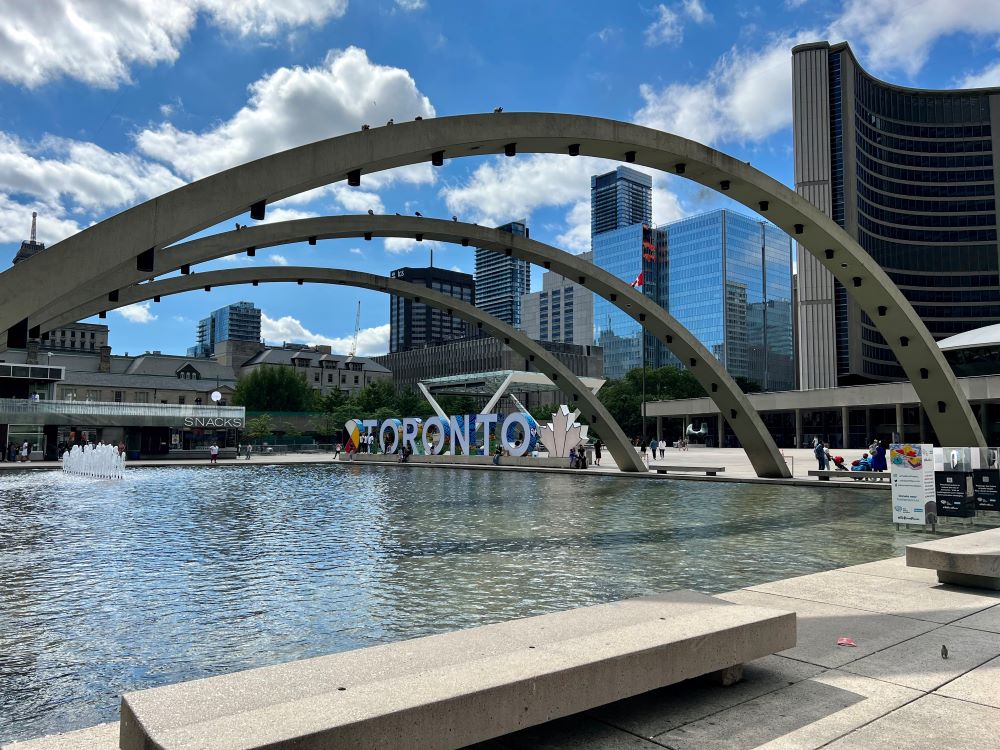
(248, 450)
(336, 451)
(25, 452)
(819, 450)
(878, 457)
(213, 453)
(663, 448)
(653, 445)
(597, 452)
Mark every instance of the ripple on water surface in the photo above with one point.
(177, 573)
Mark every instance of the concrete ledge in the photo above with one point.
(455, 689)
(966, 560)
(826, 475)
(522, 461)
(709, 471)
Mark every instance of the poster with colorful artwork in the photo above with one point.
(911, 468)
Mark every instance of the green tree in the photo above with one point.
(326, 425)
(459, 405)
(623, 398)
(274, 388)
(332, 401)
(378, 394)
(260, 427)
(410, 403)
(543, 414)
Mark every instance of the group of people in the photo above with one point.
(654, 445)
(874, 459)
(18, 453)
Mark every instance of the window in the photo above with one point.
(355, 380)
(343, 378)
(315, 377)
(72, 334)
(118, 397)
(142, 397)
(69, 394)
(91, 336)
(329, 378)
(93, 395)
(181, 399)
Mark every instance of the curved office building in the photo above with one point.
(909, 173)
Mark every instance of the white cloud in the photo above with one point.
(82, 172)
(137, 313)
(357, 251)
(697, 12)
(411, 4)
(609, 34)
(746, 97)
(899, 34)
(989, 76)
(403, 245)
(504, 189)
(357, 201)
(577, 237)
(278, 260)
(286, 328)
(667, 28)
(99, 41)
(666, 205)
(276, 214)
(294, 106)
(15, 221)
(456, 269)
(267, 17)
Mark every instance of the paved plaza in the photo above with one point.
(891, 689)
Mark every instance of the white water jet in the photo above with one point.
(102, 461)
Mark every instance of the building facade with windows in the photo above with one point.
(910, 174)
(84, 337)
(325, 371)
(620, 199)
(636, 252)
(563, 311)
(730, 284)
(236, 322)
(414, 325)
(501, 281)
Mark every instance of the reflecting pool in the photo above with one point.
(177, 573)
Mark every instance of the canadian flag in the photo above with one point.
(638, 280)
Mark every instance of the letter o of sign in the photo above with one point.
(436, 444)
(518, 449)
(388, 425)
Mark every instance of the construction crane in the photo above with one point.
(357, 330)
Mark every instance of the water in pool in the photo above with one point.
(178, 573)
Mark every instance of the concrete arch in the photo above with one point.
(720, 387)
(590, 407)
(135, 236)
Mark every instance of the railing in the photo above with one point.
(114, 408)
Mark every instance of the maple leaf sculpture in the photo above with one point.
(562, 433)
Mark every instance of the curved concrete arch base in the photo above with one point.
(138, 234)
(591, 409)
(719, 386)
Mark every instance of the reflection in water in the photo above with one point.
(175, 573)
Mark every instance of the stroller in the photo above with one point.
(838, 461)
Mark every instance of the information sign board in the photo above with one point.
(986, 488)
(911, 468)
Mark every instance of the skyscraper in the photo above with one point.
(415, 325)
(501, 281)
(624, 244)
(909, 174)
(237, 322)
(620, 199)
(563, 311)
(731, 286)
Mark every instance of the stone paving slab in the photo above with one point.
(894, 567)
(929, 723)
(981, 685)
(987, 619)
(100, 737)
(820, 625)
(918, 664)
(807, 714)
(940, 603)
(659, 711)
(572, 733)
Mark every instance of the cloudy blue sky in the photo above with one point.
(106, 103)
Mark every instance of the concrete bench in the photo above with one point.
(459, 688)
(825, 475)
(963, 560)
(671, 469)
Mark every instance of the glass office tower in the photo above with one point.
(908, 173)
(730, 284)
(501, 281)
(237, 322)
(620, 199)
(415, 325)
(627, 253)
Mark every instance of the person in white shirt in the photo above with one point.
(213, 453)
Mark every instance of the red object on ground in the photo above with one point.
(846, 642)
